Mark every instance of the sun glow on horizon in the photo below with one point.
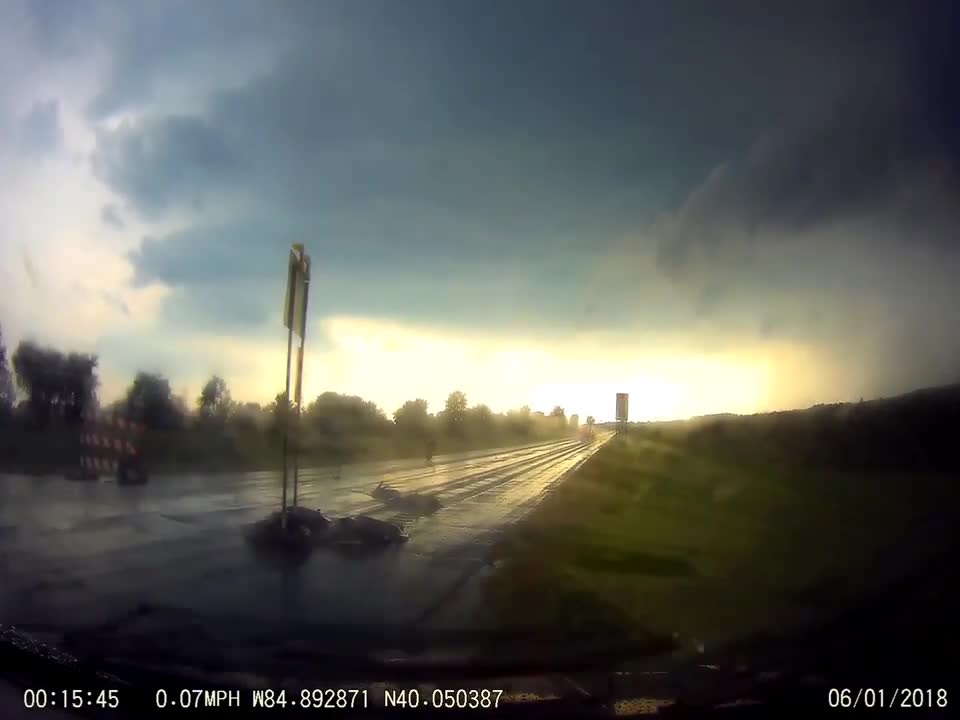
(390, 362)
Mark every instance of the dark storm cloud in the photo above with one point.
(887, 143)
(538, 75)
(201, 255)
(840, 227)
(533, 83)
(232, 276)
(60, 27)
(175, 160)
(178, 41)
(885, 150)
(802, 160)
(448, 137)
(40, 128)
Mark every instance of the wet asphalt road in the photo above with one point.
(76, 554)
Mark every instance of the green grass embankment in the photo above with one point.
(661, 533)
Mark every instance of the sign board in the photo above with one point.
(623, 403)
(295, 303)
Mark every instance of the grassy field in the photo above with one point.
(668, 531)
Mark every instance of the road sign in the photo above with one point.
(295, 301)
(623, 403)
(295, 320)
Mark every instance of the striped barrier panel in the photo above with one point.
(111, 444)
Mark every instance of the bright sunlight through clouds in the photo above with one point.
(390, 362)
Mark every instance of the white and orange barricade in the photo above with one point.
(111, 444)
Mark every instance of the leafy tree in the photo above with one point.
(249, 417)
(519, 422)
(7, 392)
(455, 411)
(590, 420)
(150, 400)
(482, 412)
(280, 410)
(412, 417)
(343, 422)
(560, 414)
(345, 414)
(480, 419)
(55, 383)
(214, 402)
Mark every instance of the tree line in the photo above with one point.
(60, 387)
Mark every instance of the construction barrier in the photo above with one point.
(111, 444)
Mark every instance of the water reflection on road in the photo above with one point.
(76, 554)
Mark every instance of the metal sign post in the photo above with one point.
(295, 319)
(623, 403)
(298, 397)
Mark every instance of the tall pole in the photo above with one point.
(291, 279)
(303, 344)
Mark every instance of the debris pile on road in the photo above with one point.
(411, 503)
(363, 529)
(270, 534)
(308, 528)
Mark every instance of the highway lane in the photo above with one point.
(80, 554)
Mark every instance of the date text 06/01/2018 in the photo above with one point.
(929, 698)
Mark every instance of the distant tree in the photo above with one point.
(480, 419)
(560, 415)
(590, 420)
(214, 402)
(79, 385)
(455, 411)
(151, 401)
(519, 423)
(482, 412)
(412, 417)
(55, 383)
(249, 416)
(280, 410)
(8, 394)
(345, 414)
(343, 422)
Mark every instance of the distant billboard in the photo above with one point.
(623, 403)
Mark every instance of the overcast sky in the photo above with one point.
(731, 206)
